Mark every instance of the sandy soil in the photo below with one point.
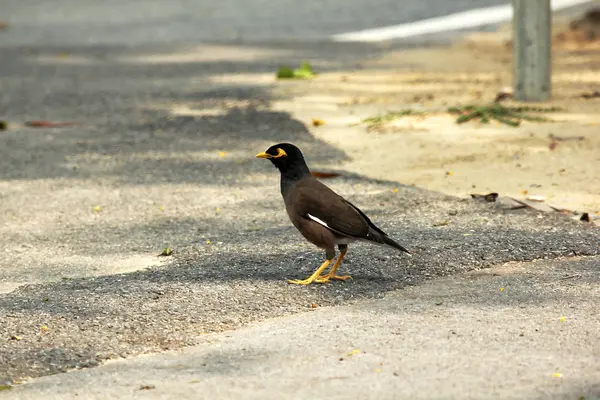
(433, 151)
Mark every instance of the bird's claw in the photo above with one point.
(319, 279)
(327, 278)
(305, 281)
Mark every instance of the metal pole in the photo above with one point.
(532, 50)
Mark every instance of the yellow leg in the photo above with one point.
(331, 274)
(313, 277)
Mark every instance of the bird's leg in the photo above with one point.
(331, 275)
(314, 277)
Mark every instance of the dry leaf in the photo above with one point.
(324, 175)
(591, 95)
(48, 124)
(489, 198)
(317, 122)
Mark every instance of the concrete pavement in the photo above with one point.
(517, 331)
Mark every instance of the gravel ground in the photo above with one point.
(160, 179)
(240, 277)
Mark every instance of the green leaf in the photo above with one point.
(285, 73)
(166, 252)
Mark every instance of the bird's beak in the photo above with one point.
(263, 155)
(280, 153)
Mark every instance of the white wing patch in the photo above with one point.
(318, 221)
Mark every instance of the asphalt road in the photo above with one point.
(160, 180)
(61, 22)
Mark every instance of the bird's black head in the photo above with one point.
(288, 159)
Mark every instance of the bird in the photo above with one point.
(321, 215)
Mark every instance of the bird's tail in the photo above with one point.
(391, 243)
(378, 236)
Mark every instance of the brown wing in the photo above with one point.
(310, 197)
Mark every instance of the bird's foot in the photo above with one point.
(326, 278)
(307, 281)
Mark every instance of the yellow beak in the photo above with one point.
(280, 153)
(263, 155)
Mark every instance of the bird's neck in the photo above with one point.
(290, 176)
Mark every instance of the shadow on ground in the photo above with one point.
(99, 189)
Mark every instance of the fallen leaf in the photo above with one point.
(502, 289)
(15, 337)
(353, 353)
(6, 387)
(97, 209)
(395, 190)
(591, 95)
(314, 305)
(562, 319)
(552, 145)
(285, 73)
(324, 175)
(524, 192)
(536, 198)
(48, 124)
(147, 387)
(303, 72)
(565, 139)
(505, 93)
(207, 242)
(44, 329)
(166, 252)
(449, 173)
(317, 122)
(222, 154)
(557, 375)
(3, 125)
(489, 198)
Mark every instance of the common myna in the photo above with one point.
(322, 216)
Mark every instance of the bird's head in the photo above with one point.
(287, 158)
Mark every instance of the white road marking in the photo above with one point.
(460, 20)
